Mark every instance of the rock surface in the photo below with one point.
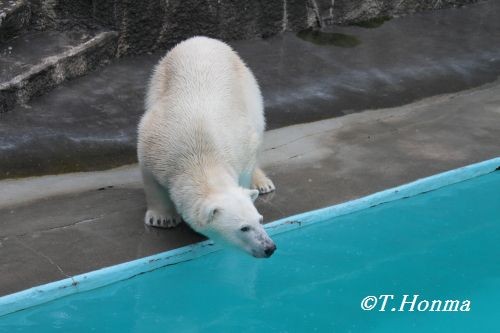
(90, 123)
(145, 27)
(328, 12)
(157, 24)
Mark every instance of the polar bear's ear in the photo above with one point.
(210, 213)
(253, 194)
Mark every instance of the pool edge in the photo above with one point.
(108, 275)
(413, 188)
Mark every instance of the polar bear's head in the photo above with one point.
(230, 217)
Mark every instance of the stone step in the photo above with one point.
(14, 17)
(36, 62)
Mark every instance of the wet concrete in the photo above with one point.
(88, 221)
(402, 60)
(90, 123)
(85, 124)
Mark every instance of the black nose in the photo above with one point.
(270, 250)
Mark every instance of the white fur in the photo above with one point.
(198, 144)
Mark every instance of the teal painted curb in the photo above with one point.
(105, 276)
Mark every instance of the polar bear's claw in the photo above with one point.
(154, 219)
(261, 182)
(266, 189)
(265, 185)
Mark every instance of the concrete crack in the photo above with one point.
(75, 223)
(52, 262)
(298, 139)
(58, 227)
(86, 220)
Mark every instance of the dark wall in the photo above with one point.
(350, 11)
(145, 26)
(158, 24)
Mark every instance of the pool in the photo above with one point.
(440, 245)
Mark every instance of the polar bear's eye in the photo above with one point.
(245, 228)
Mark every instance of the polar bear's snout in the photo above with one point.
(270, 250)
(234, 220)
(265, 246)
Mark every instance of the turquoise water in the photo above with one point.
(443, 244)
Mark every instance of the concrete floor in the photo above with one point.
(90, 123)
(57, 226)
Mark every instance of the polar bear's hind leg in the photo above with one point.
(261, 182)
(161, 211)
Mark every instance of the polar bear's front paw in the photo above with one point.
(155, 219)
(263, 184)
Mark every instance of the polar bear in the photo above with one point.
(198, 143)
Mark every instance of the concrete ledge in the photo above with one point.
(25, 190)
(291, 145)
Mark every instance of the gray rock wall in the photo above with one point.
(159, 24)
(145, 26)
(349, 11)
